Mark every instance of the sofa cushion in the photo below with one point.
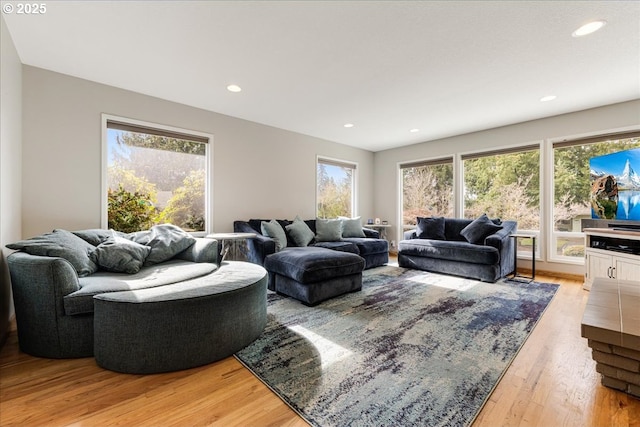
(328, 230)
(95, 236)
(274, 230)
(430, 228)
(351, 227)
(448, 250)
(165, 241)
(174, 271)
(313, 264)
(368, 246)
(120, 255)
(63, 244)
(341, 246)
(299, 232)
(479, 229)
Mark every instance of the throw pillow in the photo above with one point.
(165, 241)
(95, 236)
(274, 230)
(479, 229)
(328, 230)
(430, 228)
(120, 255)
(63, 244)
(300, 232)
(351, 227)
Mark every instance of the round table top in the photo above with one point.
(231, 236)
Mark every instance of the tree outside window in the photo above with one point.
(427, 190)
(335, 189)
(154, 179)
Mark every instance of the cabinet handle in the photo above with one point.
(613, 272)
(609, 273)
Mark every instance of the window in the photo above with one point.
(427, 189)
(335, 188)
(505, 184)
(154, 176)
(571, 186)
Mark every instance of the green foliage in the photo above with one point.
(129, 211)
(186, 207)
(334, 198)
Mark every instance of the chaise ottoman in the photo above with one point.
(312, 275)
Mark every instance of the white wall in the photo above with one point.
(259, 171)
(588, 122)
(10, 162)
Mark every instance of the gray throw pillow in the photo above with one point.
(120, 255)
(351, 227)
(430, 228)
(479, 229)
(165, 241)
(328, 230)
(95, 236)
(63, 244)
(300, 232)
(274, 230)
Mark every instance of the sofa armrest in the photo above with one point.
(371, 233)
(257, 248)
(203, 250)
(410, 234)
(505, 245)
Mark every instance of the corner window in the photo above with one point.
(335, 193)
(154, 176)
(427, 190)
(572, 189)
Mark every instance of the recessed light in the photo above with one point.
(348, 125)
(234, 88)
(547, 98)
(588, 28)
(414, 130)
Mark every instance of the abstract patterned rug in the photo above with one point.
(411, 349)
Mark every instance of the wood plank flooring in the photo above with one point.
(552, 382)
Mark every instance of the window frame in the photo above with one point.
(554, 234)
(164, 130)
(354, 180)
(421, 163)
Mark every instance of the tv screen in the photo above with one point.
(615, 186)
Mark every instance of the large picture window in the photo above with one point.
(335, 194)
(571, 189)
(155, 176)
(505, 184)
(427, 190)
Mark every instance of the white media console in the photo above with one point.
(613, 254)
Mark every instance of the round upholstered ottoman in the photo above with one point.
(182, 325)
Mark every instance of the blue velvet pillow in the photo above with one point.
(274, 230)
(430, 228)
(479, 229)
(328, 230)
(63, 244)
(351, 227)
(165, 241)
(300, 232)
(120, 255)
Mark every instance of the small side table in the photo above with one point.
(230, 242)
(516, 276)
(381, 228)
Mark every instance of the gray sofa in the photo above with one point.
(59, 278)
(370, 247)
(444, 248)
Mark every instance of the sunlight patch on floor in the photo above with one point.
(449, 282)
(329, 351)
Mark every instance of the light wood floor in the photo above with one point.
(552, 382)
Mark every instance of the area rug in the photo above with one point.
(411, 349)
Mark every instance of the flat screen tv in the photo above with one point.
(615, 186)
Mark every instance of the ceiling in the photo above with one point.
(443, 67)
